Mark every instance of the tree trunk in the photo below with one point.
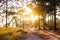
(48, 20)
(23, 22)
(52, 20)
(16, 22)
(6, 13)
(55, 17)
(44, 21)
(50, 24)
(39, 21)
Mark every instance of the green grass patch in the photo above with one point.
(10, 33)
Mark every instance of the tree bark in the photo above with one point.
(39, 21)
(44, 21)
(55, 17)
(6, 13)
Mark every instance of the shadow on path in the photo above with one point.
(33, 37)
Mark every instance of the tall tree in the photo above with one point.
(54, 3)
(6, 12)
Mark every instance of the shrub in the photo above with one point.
(10, 34)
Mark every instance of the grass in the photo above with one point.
(10, 33)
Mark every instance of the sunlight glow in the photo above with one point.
(0, 4)
(28, 11)
(58, 17)
(14, 6)
(13, 24)
(32, 18)
(1, 11)
(41, 17)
